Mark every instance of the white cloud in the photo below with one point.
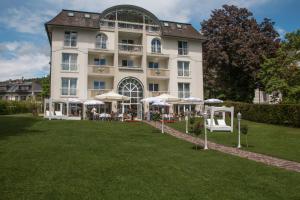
(25, 60)
(173, 10)
(24, 20)
(281, 32)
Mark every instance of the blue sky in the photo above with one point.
(24, 48)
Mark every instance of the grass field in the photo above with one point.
(278, 141)
(42, 159)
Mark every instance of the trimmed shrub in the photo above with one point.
(15, 107)
(281, 114)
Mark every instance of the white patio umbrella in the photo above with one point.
(150, 99)
(168, 98)
(193, 100)
(112, 96)
(161, 103)
(213, 101)
(73, 100)
(93, 102)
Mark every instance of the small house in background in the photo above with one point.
(261, 97)
(20, 90)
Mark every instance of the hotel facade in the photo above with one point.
(126, 49)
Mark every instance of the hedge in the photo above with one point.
(281, 114)
(15, 107)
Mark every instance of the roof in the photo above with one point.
(16, 87)
(79, 20)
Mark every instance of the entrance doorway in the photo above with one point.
(132, 88)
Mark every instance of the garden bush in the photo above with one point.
(15, 107)
(281, 114)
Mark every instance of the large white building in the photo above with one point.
(126, 49)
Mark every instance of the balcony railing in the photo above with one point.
(134, 48)
(184, 73)
(69, 67)
(158, 72)
(182, 51)
(130, 26)
(130, 67)
(156, 93)
(100, 69)
(152, 28)
(184, 94)
(68, 91)
(101, 45)
(109, 24)
(94, 92)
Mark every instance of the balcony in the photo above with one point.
(156, 93)
(158, 73)
(136, 68)
(94, 92)
(129, 26)
(130, 48)
(101, 70)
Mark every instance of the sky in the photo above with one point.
(25, 50)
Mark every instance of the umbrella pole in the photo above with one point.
(122, 111)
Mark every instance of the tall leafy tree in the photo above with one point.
(46, 87)
(234, 50)
(281, 73)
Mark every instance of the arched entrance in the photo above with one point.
(132, 88)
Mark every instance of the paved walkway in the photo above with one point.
(268, 160)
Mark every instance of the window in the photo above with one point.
(182, 48)
(183, 68)
(183, 90)
(87, 15)
(99, 61)
(153, 65)
(153, 87)
(166, 24)
(69, 62)
(101, 41)
(127, 63)
(179, 26)
(155, 46)
(70, 14)
(99, 85)
(69, 86)
(70, 39)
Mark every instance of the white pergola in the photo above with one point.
(221, 123)
(51, 113)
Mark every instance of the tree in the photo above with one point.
(281, 73)
(234, 51)
(46, 87)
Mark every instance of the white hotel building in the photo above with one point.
(126, 49)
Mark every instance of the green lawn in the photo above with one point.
(278, 141)
(42, 159)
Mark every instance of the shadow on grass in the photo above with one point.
(198, 147)
(17, 125)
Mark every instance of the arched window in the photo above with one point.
(156, 46)
(101, 41)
